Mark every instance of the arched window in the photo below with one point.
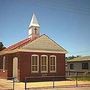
(4, 63)
(44, 63)
(52, 63)
(34, 63)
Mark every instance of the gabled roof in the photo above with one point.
(44, 43)
(80, 59)
(40, 44)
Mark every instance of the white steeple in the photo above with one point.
(34, 21)
(34, 28)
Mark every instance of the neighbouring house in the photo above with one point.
(80, 65)
(37, 56)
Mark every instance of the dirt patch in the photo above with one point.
(8, 84)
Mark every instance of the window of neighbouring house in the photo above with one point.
(44, 63)
(34, 63)
(4, 63)
(52, 63)
(71, 66)
(84, 65)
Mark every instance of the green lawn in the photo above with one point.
(81, 78)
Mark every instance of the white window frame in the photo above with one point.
(46, 64)
(4, 63)
(54, 71)
(37, 63)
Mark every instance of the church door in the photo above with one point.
(15, 67)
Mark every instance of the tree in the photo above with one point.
(1, 46)
(72, 57)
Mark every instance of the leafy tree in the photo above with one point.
(1, 46)
(72, 57)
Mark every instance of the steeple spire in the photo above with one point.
(34, 21)
(34, 28)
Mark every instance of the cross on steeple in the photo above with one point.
(35, 30)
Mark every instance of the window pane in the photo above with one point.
(52, 68)
(34, 60)
(44, 61)
(53, 62)
(84, 65)
(43, 68)
(71, 66)
(35, 68)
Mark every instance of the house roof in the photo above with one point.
(42, 43)
(80, 59)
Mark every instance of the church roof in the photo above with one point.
(19, 44)
(42, 43)
(34, 21)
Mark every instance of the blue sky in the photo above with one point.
(65, 21)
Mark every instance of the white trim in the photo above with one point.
(45, 51)
(25, 50)
(37, 63)
(4, 59)
(46, 64)
(55, 64)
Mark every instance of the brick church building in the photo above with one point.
(37, 56)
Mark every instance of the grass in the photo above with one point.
(81, 78)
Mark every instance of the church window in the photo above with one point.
(52, 63)
(34, 63)
(44, 63)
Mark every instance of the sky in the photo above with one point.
(65, 21)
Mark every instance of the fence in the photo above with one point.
(74, 81)
(54, 78)
(80, 73)
(54, 83)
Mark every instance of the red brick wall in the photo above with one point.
(8, 63)
(3, 74)
(25, 68)
(24, 65)
(1, 62)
